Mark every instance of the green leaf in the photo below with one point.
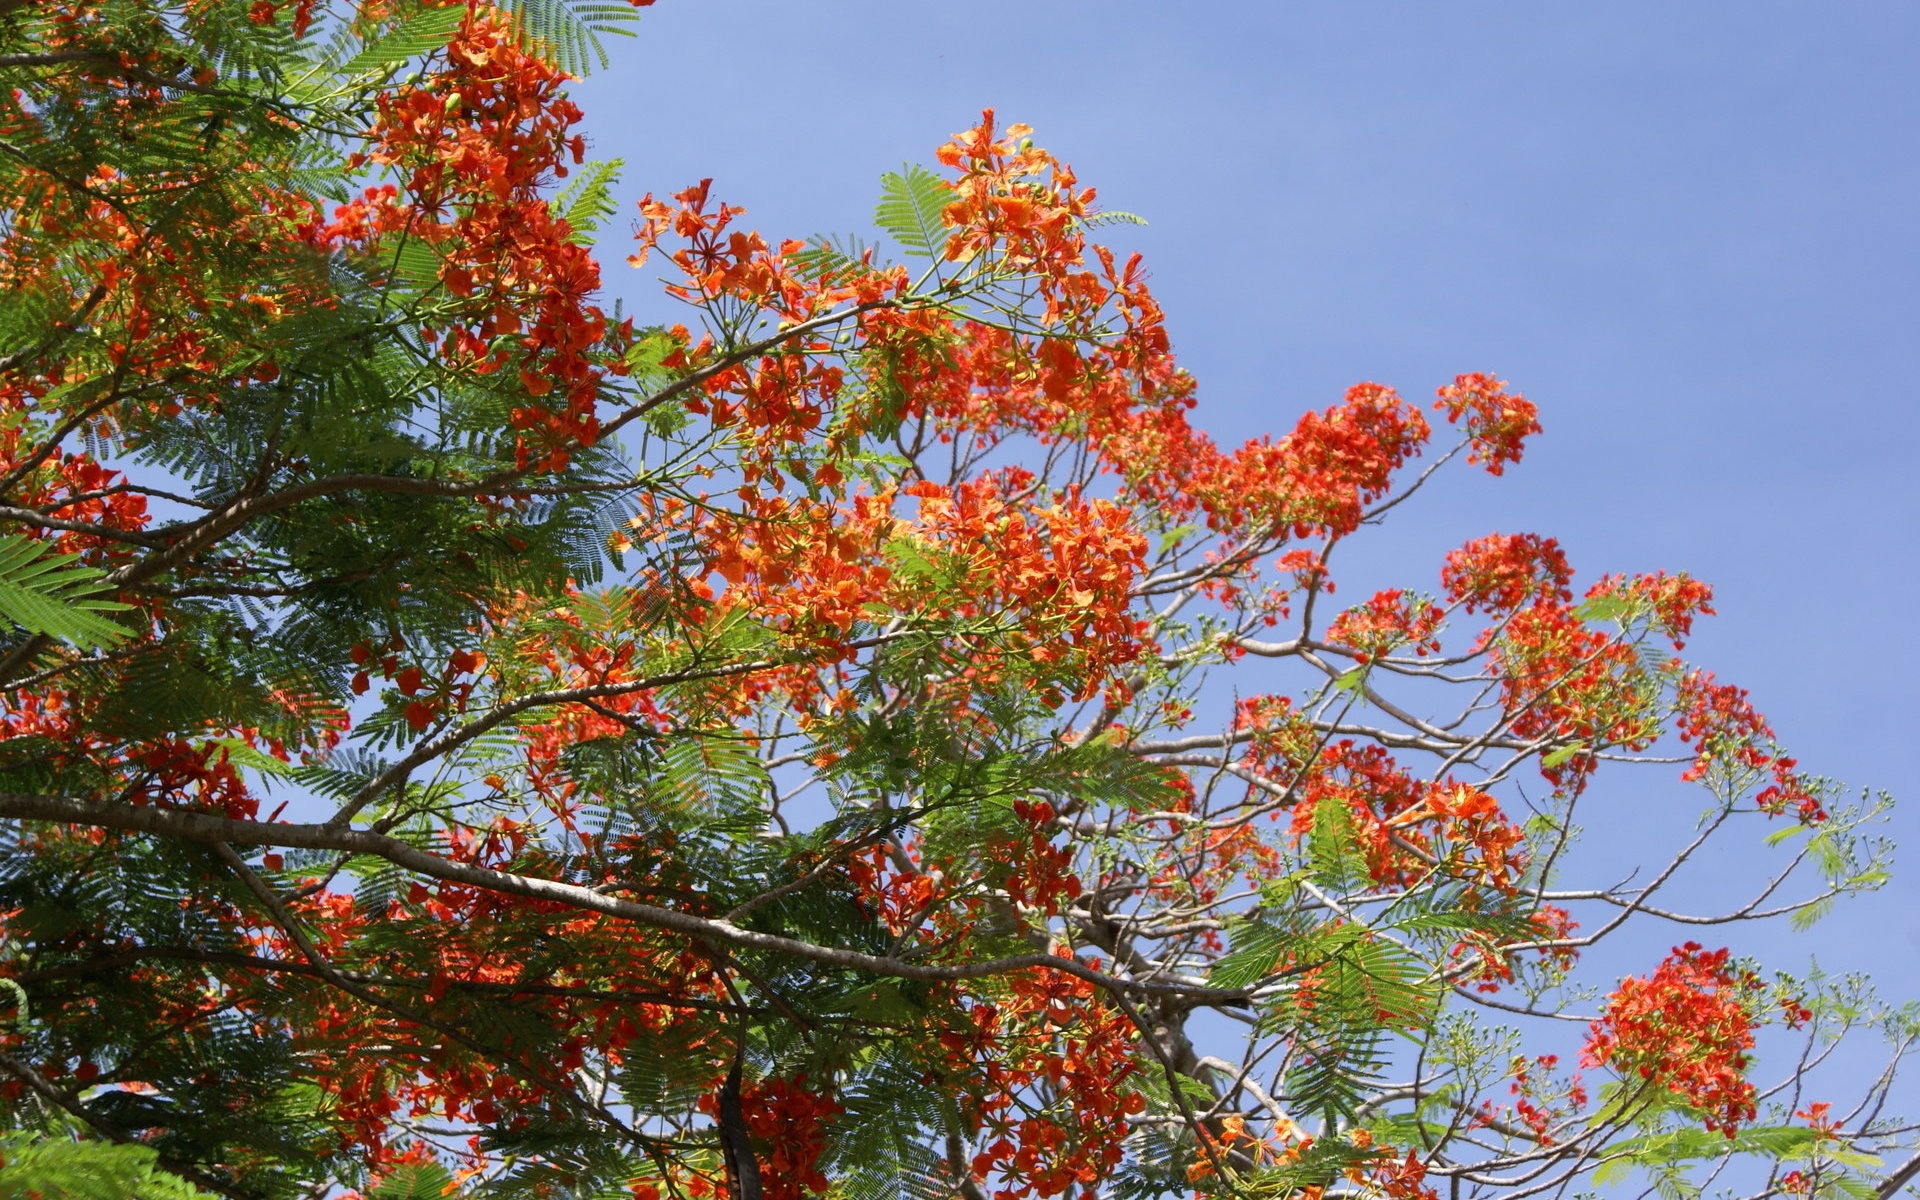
(830, 258)
(1503, 925)
(1256, 949)
(1398, 988)
(1811, 915)
(1554, 758)
(1673, 1146)
(1614, 1170)
(55, 595)
(647, 355)
(1602, 608)
(422, 33)
(243, 754)
(568, 33)
(417, 263)
(42, 1168)
(910, 559)
(1112, 216)
(1178, 534)
(1334, 855)
(414, 1181)
(1860, 1189)
(911, 203)
(588, 200)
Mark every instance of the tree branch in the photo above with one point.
(208, 829)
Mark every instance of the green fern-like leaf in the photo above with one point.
(588, 200)
(414, 1181)
(1335, 858)
(568, 32)
(33, 1168)
(1361, 988)
(899, 1169)
(912, 200)
(1112, 216)
(1505, 926)
(1256, 949)
(830, 258)
(422, 33)
(55, 595)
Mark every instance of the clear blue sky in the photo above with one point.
(1685, 229)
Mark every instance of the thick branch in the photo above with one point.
(208, 829)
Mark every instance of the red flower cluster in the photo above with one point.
(69, 485)
(788, 1123)
(1685, 1028)
(1502, 571)
(1405, 827)
(1722, 725)
(478, 140)
(1542, 1101)
(1014, 209)
(1050, 1029)
(1562, 679)
(1666, 604)
(1391, 620)
(1319, 478)
(1498, 424)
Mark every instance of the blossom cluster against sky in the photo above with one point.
(1686, 230)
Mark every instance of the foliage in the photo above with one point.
(32, 1168)
(460, 742)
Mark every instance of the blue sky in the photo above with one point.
(1685, 230)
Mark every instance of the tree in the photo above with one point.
(460, 742)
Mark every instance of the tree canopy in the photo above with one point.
(862, 741)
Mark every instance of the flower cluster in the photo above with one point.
(1562, 679)
(1543, 1103)
(1392, 619)
(1015, 209)
(1503, 571)
(1498, 424)
(1663, 603)
(477, 141)
(788, 1121)
(1319, 478)
(1727, 732)
(1051, 1029)
(1685, 1029)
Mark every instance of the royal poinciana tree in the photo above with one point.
(460, 742)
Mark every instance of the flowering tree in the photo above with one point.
(458, 742)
